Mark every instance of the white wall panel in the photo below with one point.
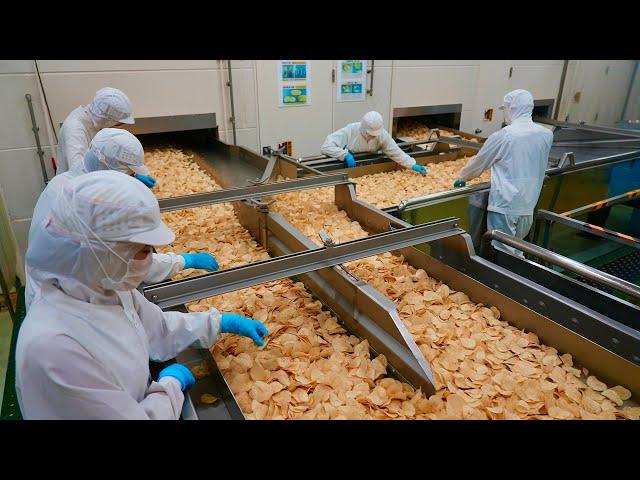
(633, 107)
(492, 84)
(348, 112)
(244, 100)
(152, 94)
(57, 66)
(543, 81)
(21, 180)
(306, 126)
(16, 66)
(15, 121)
(434, 63)
(417, 86)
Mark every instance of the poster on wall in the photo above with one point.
(294, 79)
(352, 78)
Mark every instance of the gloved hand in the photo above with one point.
(202, 260)
(419, 169)
(459, 183)
(234, 323)
(149, 181)
(349, 160)
(180, 373)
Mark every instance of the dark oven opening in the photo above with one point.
(415, 122)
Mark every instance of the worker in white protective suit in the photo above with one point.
(83, 350)
(119, 150)
(367, 135)
(518, 156)
(110, 107)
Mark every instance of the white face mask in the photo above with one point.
(137, 270)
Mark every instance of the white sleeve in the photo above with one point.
(72, 150)
(163, 267)
(391, 149)
(335, 144)
(170, 333)
(73, 385)
(492, 150)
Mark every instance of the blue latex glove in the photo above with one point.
(180, 373)
(247, 327)
(459, 183)
(147, 180)
(419, 169)
(202, 260)
(349, 160)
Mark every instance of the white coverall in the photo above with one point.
(109, 107)
(351, 139)
(83, 349)
(113, 149)
(517, 155)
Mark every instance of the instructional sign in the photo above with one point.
(294, 83)
(352, 78)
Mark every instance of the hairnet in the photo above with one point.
(95, 226)
(112, 104)
(372, 123)
(518, 103)
(115, 149)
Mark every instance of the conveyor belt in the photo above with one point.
(626, 268)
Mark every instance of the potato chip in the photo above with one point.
(596, 384)
(622, 392)
(632, 413)
(613, 396)
(208, 399)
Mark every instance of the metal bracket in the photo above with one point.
(567, 157)
(326, 239)
(172, 293)
(252, 191)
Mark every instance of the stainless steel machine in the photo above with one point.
(250, 179)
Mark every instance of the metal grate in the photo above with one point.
(626, 268)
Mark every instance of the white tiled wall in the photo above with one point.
(20, 173)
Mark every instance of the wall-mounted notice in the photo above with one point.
(294, 80)
(352, 78)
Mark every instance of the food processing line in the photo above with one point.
(249, 180)
(587, 165)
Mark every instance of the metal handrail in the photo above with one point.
(585, 271)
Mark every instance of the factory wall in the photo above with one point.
(633, 106)
(595, 91)
(21, 179)
(477, 85)
(173, 87)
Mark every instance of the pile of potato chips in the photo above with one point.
(212, 229)
(419, 131)
(388, 189)
(484, 367)
(311, 368)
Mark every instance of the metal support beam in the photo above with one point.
(585, 271)
(618, 142)
(593, 229)
(172, 293)
(589, 128)
(252, 191)
(459, 142)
